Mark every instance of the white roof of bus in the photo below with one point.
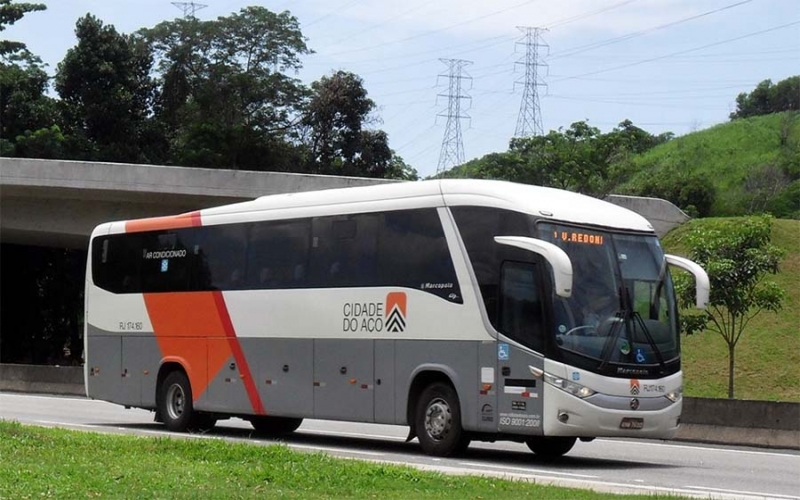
(551, 203)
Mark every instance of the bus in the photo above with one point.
(463, 309)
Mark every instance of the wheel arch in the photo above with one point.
(421, 378)
(168, 366)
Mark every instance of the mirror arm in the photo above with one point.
(555, 256)
(703, 285)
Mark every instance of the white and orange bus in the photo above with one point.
(464, 309)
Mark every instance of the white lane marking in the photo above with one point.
(335, 450)
(57, 398)
(740, 492)
(604, 486)
(530, 471)
(356, 434)
(702, 448)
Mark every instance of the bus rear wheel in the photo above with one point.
(175, 402)
(550, 447)
(438, 421)
(275, 426)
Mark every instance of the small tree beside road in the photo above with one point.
(738, 256)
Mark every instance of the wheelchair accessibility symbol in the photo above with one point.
(502, 352)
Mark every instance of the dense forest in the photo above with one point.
(213, 94)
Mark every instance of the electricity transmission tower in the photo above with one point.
(189, 8)
(452, 152)
(529, 120)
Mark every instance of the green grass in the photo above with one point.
(768, 355)
(725, 153)
(38, 462)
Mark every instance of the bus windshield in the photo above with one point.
(621, 318)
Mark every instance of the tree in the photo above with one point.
(580, 158)
(106, 92)
(225, 100)
(24, 104)
(737, 255)
(769, 98)
(335, 115)
(10, 13)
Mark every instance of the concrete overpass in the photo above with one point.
(57, 203)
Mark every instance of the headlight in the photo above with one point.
(675, 395)
(568, 386)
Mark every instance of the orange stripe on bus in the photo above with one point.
(191, 219)
(183, 322)
(238, 355)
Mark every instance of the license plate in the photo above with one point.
(632, 423)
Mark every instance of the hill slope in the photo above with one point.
(743, 159)
(768, 355)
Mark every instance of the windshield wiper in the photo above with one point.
(628, 317)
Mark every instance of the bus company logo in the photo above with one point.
(635, 388)
(396, 312)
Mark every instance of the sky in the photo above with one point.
(667, 65)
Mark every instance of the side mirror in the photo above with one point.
(557, 258)
(703, 285)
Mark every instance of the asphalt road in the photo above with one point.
(627, 466)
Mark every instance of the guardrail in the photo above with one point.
(765, 424)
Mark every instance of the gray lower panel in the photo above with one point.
(284, 373)
(104, 357)
(141, 357)
(385, 396)
(226, 391)
(344, 380)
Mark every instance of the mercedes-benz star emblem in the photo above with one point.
(634, 404)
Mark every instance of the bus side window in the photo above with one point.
(520, 304)
(344, 251)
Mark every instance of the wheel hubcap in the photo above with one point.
(438, 419)
(175, 401)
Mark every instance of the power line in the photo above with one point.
(529, 120)
(578, 17)
(428, 33)
(330, 13)
(610, 41)
(673, 54)
(452, 151)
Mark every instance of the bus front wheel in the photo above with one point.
(175, 402)
(550, 447)
(438, 421)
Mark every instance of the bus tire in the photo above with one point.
(175, 402)
(550, 448)
(275, 426)
(438, 421)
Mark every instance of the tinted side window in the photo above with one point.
(165, 260)
(220, 257)
(413, 253)
(478, 227)
(277, 254)
(115, 263)
(344, 251)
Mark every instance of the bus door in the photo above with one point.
(519, 366)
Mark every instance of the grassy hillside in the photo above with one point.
(768, 355)
(727, 154)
